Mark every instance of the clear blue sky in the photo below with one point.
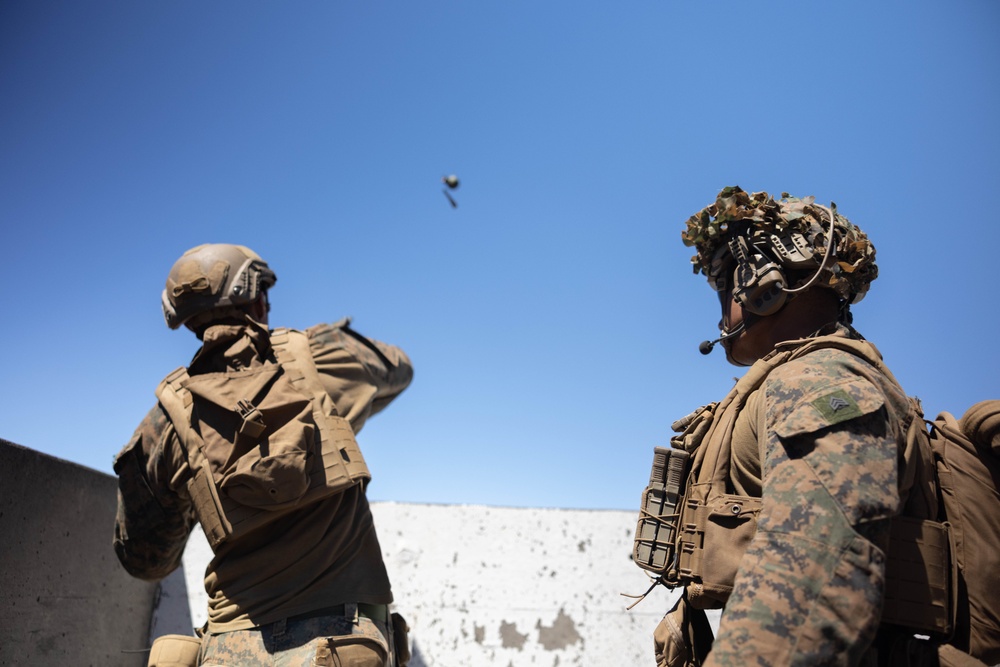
(552, 318)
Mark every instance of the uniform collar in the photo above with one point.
(232, 347)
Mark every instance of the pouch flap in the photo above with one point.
(830, 405)
(269, 482)
(733, 506)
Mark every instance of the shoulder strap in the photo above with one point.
(341, 450)
(291, 349)
(176, 402)
(716, 460)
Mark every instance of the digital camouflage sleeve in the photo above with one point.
(154, 519)
(808, 590)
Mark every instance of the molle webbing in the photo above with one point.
(342, 459)
(325, 441)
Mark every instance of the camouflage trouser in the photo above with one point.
(322, 641)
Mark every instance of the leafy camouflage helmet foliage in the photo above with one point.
(851, 270)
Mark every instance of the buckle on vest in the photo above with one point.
(253, 421)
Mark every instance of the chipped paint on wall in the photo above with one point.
(493, 587)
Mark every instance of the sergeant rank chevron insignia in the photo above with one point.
(837, 403)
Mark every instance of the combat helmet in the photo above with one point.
(211, 279)
(771, 249)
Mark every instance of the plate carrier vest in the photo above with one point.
(285, 445)
(692, 533)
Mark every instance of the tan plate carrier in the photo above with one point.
(692, 533)
(334, 460)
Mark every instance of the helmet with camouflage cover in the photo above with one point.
(772, 248)
(213, 280)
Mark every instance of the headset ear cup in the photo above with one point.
(762, 294)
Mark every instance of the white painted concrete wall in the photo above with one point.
(489, 586)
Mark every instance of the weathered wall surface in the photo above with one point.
(64, 599)
(482, 586)
(501, 586)
(498, 587)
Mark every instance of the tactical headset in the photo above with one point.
(757, 260)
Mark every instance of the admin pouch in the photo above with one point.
(261, 441)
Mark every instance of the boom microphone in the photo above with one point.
(707, 345)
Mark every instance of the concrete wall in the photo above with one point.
(64, 599)
(498, 587)
(482, 586)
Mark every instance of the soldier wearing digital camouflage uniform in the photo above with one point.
(255, 439)
(796, 476)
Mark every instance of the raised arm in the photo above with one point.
(362, 375)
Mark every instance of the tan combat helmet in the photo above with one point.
(772, 249)
(214, 277)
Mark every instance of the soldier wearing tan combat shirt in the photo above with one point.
(255, 439)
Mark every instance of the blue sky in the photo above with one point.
(552, 318)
